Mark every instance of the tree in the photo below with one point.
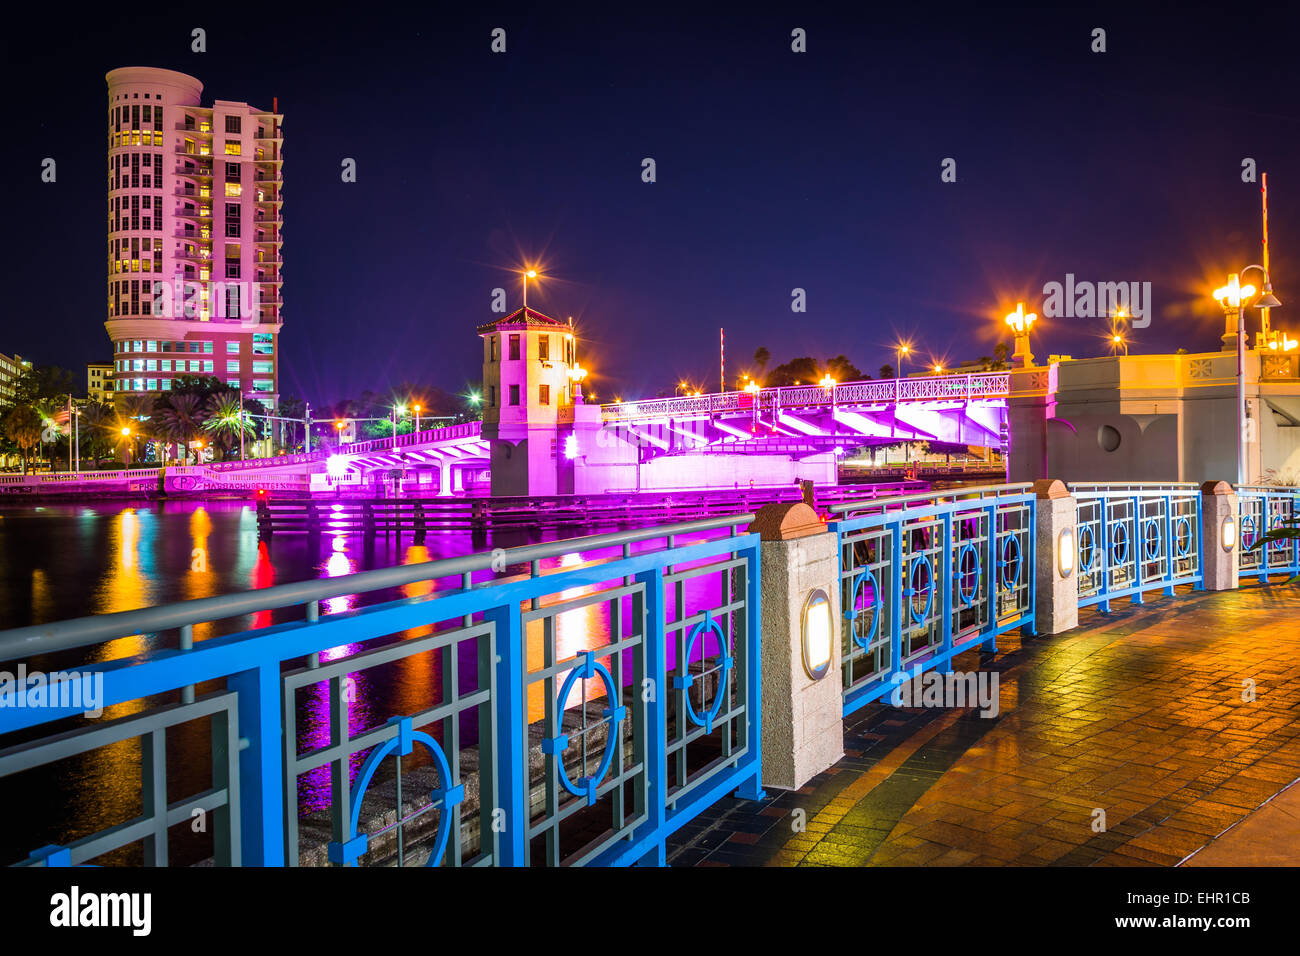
(1000, 356)
(94, 431)
(22, 426)
(180, 418)
(886, 371)
(842, 370)
(224, 422)
(761, 357)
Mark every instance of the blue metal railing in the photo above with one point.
(1261, 509)
(924, 578)
(576, 715)
(1134, 538)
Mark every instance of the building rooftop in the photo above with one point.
(518, 320)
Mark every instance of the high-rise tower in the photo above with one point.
(194, 236)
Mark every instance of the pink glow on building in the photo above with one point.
(194, 202)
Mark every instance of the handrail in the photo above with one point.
(84, 631)
(953, 493)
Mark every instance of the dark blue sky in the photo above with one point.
(775, 170)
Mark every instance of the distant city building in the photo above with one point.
(194, 203)
(99, 382)
(11, 366)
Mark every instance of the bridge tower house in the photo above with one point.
(529, 402)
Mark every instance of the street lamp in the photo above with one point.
(529, 274)
(417, 417)
(938, 368)
(1233, 297)
(126, 433)
(1021, 323)
(397, 410)
(576, 375)
(901, 352)
(1117, 341)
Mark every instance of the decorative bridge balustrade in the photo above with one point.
(1134, 538)
(1261, 509)
(576, 711)
(771, 400)
(923, 578)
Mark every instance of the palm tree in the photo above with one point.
(224, 421)
(22, 426)
(180, 419)
(93, 434)
(135, 412)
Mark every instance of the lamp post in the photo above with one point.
(76, 434)
(397, 410)
(577, 374)
(241, 426)
(901, 352)
(1233, 297)
(1117, 341)
(417, 418)
(530, 274)
(126, 433)
(1021, 323)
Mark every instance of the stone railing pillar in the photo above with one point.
(1056, 601)
(803, 707)
(1220, 535)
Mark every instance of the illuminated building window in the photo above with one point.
(232, 148)
(544, 348)
(544, 394)
(261, 386)
(263, 368)
(233, 189)
(232, 347)
(232, 367)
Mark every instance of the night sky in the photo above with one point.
(775, 170)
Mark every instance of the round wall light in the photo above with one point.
(1066, 549)
(1228, 533)
(816, 634)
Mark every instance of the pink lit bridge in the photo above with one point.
(799, 424)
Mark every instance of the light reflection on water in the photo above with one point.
(68, 561)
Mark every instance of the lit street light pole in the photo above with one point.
(1233, 296)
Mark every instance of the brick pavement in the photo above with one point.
(1138, 713)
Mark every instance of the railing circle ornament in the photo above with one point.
(444, 798)
(866, 575)
(1183, 536)
(1151, 538)
(1247, 531)
(1119, 543)
(1010, 560)
(685, 680)
(967, 597)
(913, 588)
(1087, 552)
(556, 746)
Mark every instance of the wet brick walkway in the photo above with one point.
(1138, 713)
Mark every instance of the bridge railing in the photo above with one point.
(1136, 537)
(926, 577)
(425, 436)
(1261, 509)
(575, 715)
(880, 391)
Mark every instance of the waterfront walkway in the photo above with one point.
(1138, 713)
